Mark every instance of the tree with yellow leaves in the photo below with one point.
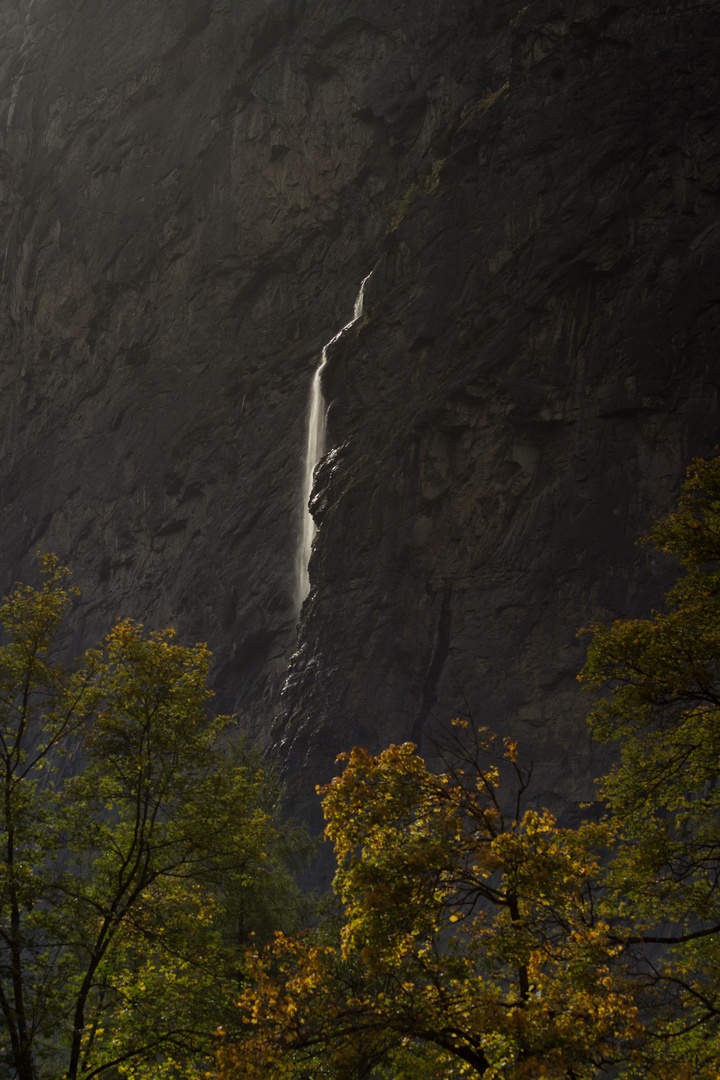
(470, 943)
(477, 937)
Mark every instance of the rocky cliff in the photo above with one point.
(190, 194)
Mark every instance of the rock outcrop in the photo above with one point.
(191, 192)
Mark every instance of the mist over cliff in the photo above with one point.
(191, 192)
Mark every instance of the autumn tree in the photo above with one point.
(470, 943)
(478, 937)
(128, 829)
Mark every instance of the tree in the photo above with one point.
(128, 828)
(469, 941)
(478, 937)
(663, 796)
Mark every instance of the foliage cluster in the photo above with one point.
(398, 211)
(489, 98)
(477, 937)
(131, 841)
(472, 934)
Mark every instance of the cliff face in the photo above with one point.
(190, 194)
(540, 360)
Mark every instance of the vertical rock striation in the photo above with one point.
(539, 362)
(190, 192)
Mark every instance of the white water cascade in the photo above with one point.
(314, 450)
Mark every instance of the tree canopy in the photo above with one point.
(475, 936)
(130, 832)
(663, 796)
(469, 943)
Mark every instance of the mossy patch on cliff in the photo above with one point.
(397, 211)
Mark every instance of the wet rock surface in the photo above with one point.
(190, 194)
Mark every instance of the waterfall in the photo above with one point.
(314, 450)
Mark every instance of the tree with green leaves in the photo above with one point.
(130, 833)
(479, 938)
(663, 796)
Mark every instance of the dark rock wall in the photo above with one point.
(539, 362)
(190, 194)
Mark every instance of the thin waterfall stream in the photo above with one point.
(315, 448)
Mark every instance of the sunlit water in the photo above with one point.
(314, 450)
